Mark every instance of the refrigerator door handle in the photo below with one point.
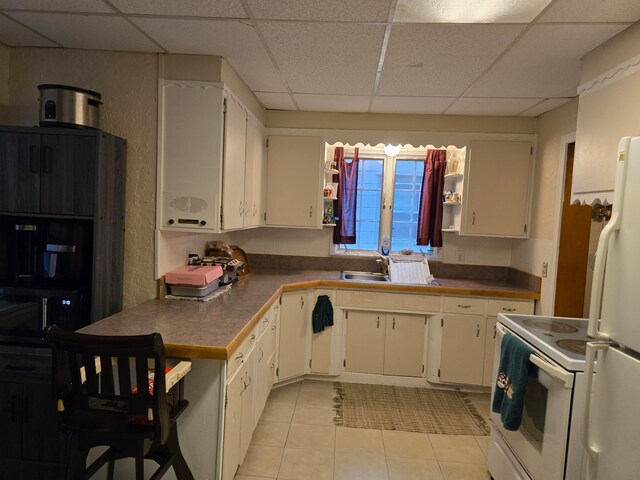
(556, 372)
(590, 360)
(605, 236)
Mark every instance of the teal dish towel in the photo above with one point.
(322, 315)
(513, 373)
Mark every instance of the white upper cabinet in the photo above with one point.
(255, 175)
(498, 185)
(294, 181)
(233, 176)
(190, 155)
(210, 159)
(609, 109)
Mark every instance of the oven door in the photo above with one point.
(540, 444)
(21, 318)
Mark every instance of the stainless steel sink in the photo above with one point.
(364, 276)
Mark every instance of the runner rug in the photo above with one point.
(424, 410)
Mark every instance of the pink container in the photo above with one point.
(193, 275)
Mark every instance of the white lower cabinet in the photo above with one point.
(463, 348)
(295, 331)
(232, 425)
(247, 401)
(265, 365)
(323, 343)
(462, 355)
(385, 343)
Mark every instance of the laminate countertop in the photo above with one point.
(216, 328)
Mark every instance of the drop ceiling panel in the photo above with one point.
(424, 105)
(593, 11)
(325, 58)
(233, 39)
(491, 106)
(545, 106)
(199, 8)
(440, 60)
(92, 6)
(332, 103)
(544, 63)
(88, 31)
(322, 11)
(468, 11)
(276, 101)
(15, 35)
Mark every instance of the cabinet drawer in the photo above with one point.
(468, 305)
(494, 307)
(242, 351)
(388, 301)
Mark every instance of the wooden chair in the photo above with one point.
(105, 397)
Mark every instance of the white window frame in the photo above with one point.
(386, 206)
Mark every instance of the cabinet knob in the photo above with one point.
(203, 222)
(464, 306)
(171, 221)
(311, 211)
(505, 309)
(478, 330)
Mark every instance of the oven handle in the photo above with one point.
(556, 372)
(590, 360)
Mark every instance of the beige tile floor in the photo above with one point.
(296, 439)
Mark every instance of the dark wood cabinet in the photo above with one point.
(55, 176)
(31, 444)
(47, 174)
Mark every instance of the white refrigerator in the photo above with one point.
(612, 416)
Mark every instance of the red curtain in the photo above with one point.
(345, 207)
(430, 209)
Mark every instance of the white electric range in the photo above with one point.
(547, 446)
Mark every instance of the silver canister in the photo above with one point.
(67, 106)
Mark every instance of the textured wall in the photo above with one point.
(542, 246)
(128, 84)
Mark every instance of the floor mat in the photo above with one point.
(423, 410)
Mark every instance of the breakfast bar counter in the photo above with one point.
(214, 329)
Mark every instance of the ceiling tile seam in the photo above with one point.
(272, 57)
(532, 106)
(450, 105)
(136, 27)
(32, 30)
(504, 52)
(383, 51)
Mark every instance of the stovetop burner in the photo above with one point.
(562, 339)
(573, 345)
(555, 326)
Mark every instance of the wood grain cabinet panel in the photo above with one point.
(365, 342)
(404, 345)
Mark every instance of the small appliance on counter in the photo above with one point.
(193, 280)
(231, 258)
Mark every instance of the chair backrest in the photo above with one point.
(102, 384)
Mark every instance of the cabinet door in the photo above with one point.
(462, 355)
(235, 130)
(20, 167)
(255, 170)
(498, 186)
(248, 401)
(404, 345)
(42, 471)
(294, 181)
(43, 439)
(365, 342)
(295, 322)
(67, 178)
(321, 342)
(232, 425)
(489, 347)
(11, 420)
(11, 470)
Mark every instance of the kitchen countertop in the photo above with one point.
(215, 329)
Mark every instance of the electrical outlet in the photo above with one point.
(545, 268)
(460, 256)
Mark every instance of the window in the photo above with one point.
(381, 178)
